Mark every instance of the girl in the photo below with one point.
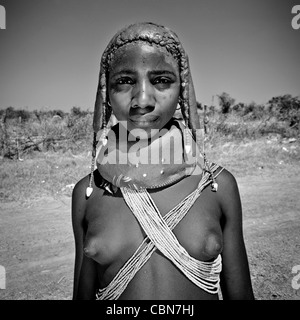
(155, 220)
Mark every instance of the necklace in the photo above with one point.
(172, 156)
(159, 235)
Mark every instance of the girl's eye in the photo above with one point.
(162, 80)
(162, 83)
(124, 81)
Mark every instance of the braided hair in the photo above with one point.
(153, 34)
(150, 33)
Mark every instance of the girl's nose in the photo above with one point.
(143, 95)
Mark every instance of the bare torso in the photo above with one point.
(113, 234)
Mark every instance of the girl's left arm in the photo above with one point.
(235, 275)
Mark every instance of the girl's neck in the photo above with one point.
(121, 133)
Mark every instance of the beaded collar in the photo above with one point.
(157, 163)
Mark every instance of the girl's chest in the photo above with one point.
(113, 233)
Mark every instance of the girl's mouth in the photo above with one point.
(143, 121)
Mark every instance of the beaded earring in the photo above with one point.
(103, 139)
(89, 189)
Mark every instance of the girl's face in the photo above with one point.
(143, 87)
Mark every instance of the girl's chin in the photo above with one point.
(141, 132)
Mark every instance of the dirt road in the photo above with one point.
(37, 249)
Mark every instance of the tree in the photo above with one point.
(10, 113)
(225, 102)
(77, 112)
(286, 108)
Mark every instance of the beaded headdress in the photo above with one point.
(150, 33)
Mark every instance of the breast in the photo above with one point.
(106, 252)
(113, 243)
(203, 247)
(114, 234)
(213, 245)
(200, 234)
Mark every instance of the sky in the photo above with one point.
(50, 50)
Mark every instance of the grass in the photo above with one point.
(250, 157)
(52, 174)
(46, 174)
(244, 145)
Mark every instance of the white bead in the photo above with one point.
(104, 141)
(89, 191)
(214, 186)
(145, 175)
(187, 148)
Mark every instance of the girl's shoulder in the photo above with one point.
(225, 177)
(228, 192)
(79, 198)
(80, 188)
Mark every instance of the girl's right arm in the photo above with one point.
(85, 274)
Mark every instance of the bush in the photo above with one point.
(23, 131)
(77, 112)
(11, 113)
(225, 101)
(286, 108)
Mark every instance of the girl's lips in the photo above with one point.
(143, 121)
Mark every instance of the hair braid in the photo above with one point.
(152, 34)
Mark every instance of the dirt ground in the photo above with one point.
(37, 248)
